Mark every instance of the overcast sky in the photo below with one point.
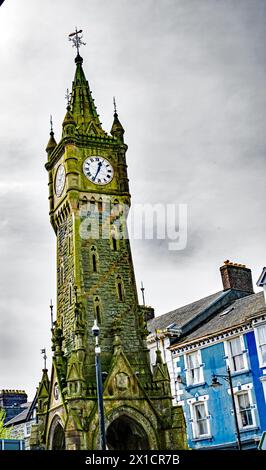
(189, 79)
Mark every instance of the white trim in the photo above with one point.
(241, 388)
(228, 355)
(216, 338)
(200, 398)
(200, 367)
(264, 388)
(261, 363)
(194, 422)
(252, 409)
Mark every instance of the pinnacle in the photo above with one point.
(68, 119)
(117, 128)
(51, 143)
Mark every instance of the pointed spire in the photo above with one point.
(117, 128)
(82, 104)
(52, 142)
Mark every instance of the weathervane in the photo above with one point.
(43, 352)
(76, 39)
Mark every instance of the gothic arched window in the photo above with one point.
(120, 289)
(94, 259)
(97, 308)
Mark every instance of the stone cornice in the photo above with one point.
(83, 142)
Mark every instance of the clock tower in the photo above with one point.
(89, 200)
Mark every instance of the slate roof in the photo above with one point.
(25, 415)
(21, 417)
(182, 315)
(240, 311)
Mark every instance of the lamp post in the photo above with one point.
(215, 383)
(96, 333)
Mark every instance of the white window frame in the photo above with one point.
(27, 428)
(263, 382)
(261, 363)
(252, 408)
(194, 422)
(228, 356)
(187, 370)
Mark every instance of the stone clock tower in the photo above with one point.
(89, 199)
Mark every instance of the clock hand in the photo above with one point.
(99, 167)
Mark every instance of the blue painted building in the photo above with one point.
(226, 335)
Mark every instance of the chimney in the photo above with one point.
(236, 276)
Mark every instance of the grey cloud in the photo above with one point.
(189, 77)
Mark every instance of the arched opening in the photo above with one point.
(94, 263)
(114, 241)
(125, 433)
(58, 439)
(98, 315)
(120, 291)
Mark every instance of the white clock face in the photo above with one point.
(98, 170)
(56, 391)
(60, 180)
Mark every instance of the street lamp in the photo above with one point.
(215, 383)
(96, 333)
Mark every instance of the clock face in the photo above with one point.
(60, 179)
(56, 391)
(98, 170)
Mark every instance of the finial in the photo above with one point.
(43, 352)
(51, 125)
(68, 97)
(52, 316)
(159, 359)
(142, 291)
(115, 110)
(76, 40)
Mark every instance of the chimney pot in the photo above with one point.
(236, 276)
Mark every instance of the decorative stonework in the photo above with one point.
(122, 381)
(95, 279)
